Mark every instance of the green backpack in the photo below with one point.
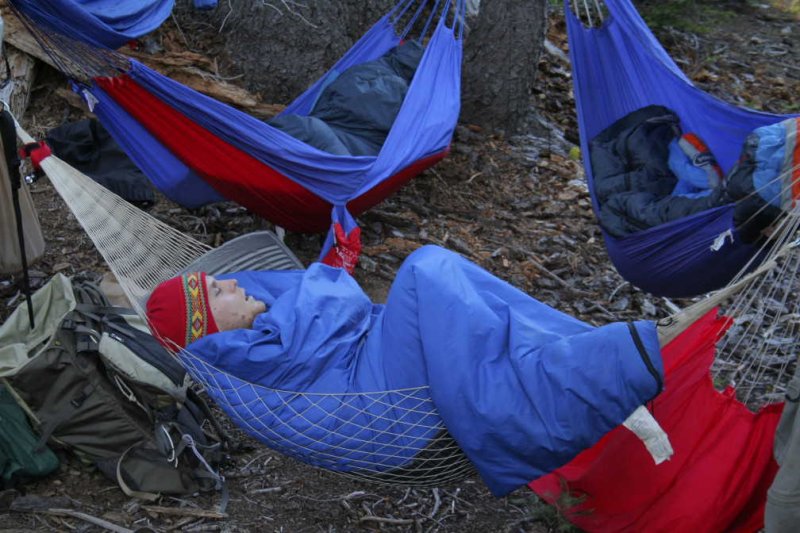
(93, 380)
(21, 457)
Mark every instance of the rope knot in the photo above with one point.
(37, 152)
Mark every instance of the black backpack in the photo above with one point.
(94, 381)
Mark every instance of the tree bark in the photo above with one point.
(500, 57)
(279, 48)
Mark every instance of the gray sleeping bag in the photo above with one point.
(354, 113)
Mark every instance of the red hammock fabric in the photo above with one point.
(717, 480)
(237, 175)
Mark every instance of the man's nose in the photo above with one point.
(232, 284)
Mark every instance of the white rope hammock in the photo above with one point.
(140, 250)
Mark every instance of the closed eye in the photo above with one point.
(217, 289)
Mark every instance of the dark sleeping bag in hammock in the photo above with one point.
(354, 113)
(636, 181)
(87, 146)
(521, 387)
(632, 178)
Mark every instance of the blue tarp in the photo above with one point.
(107, 23)
(521, 387)
(621, 67)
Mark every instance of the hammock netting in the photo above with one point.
(619, 67)
(197, 150)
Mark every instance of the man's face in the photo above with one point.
(231, 307)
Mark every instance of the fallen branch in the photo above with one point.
(266, 490)
(437, 503)
(555, 51)
(382, 520)
(105, 524)
(185, 511)
(533, 260)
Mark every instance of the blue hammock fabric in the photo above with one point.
(169, 174)
(332, 379)
(421, 131)
(107, 23)
(619, 68)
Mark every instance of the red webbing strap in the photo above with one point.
(37, 152)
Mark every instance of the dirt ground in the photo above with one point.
(517, 206)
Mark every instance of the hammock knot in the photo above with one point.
(37, 152)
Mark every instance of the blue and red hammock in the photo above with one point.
(198, 150)
(621, 67)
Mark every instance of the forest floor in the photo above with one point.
(517, 206)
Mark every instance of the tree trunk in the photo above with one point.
(280, 48)
(501, 53)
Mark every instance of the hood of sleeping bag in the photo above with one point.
(87, 146)
(766, 178)
(328, 377)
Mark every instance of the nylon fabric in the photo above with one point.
(521, 387)
(168, 173)
(718, 477)
(107, 23)
(619, 68)
(274, 174)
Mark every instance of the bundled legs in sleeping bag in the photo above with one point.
(304, 361)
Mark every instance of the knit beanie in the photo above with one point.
(179, 312)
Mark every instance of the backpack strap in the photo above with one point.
(209, 473)
(97, 310)
(147, 496)
(89, 293)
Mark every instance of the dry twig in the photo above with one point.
(184, 511)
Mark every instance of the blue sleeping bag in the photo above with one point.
(357, 108)
(521, 387)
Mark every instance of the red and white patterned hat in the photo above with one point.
(179, 312)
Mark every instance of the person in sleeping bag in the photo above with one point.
(305, 362)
